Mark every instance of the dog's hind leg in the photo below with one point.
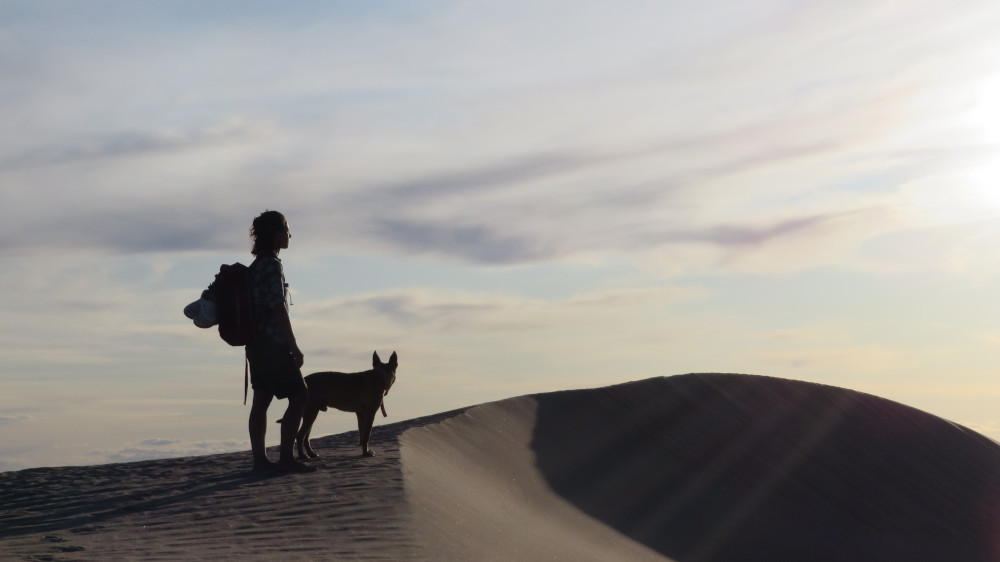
(308, 417)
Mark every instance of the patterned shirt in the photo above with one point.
(268, 290)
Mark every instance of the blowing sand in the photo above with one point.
(686, 468)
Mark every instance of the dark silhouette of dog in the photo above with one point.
(361, 393)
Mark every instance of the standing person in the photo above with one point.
(275, 358)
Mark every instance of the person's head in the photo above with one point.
(269, 233)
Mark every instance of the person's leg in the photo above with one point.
(258, 428)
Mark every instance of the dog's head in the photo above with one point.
(386, 370)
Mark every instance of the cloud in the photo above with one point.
(11, 420)
(498, 175)
(466, 312)
(473, 243)
(159, 442)
(524, 209)
(486, 245)
(556, 205)
(484, 154)
(742, 236)
(141, 191)
(136, 143)
(136, 230)
(151, 449)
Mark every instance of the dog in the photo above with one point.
(361, 393)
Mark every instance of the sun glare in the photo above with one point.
(981, 179)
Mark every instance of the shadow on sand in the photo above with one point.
(83, 499)
(737, 467)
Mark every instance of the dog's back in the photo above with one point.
(350, 392)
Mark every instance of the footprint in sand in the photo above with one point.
(53, 538)
(87, 530)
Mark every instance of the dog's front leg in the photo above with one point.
(365, 421)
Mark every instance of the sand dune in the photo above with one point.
(691, 467)
(476, 493)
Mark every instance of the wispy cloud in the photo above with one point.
(741, 236)
(10, 420)
(118, 145)
(578, 161)
(492, 312)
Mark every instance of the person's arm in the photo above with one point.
(272, 298)
(284, 324)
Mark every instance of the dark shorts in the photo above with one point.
(273, 370)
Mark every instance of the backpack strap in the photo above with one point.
(246, 377)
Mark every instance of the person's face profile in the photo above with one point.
(282, 236)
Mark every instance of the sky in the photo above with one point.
(516, 197)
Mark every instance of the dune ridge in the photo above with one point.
(688, 467)
(738, 467)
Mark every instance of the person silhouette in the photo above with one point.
(274, 357)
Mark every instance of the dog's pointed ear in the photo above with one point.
(392, 360)
(375, 360)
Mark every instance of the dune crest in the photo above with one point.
(739, 467)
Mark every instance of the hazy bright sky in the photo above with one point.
(515, 196)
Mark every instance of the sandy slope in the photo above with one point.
(692, 467)
(476, 494)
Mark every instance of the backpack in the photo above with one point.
(226, 302)
(231, 289)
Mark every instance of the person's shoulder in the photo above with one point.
(266, 263)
